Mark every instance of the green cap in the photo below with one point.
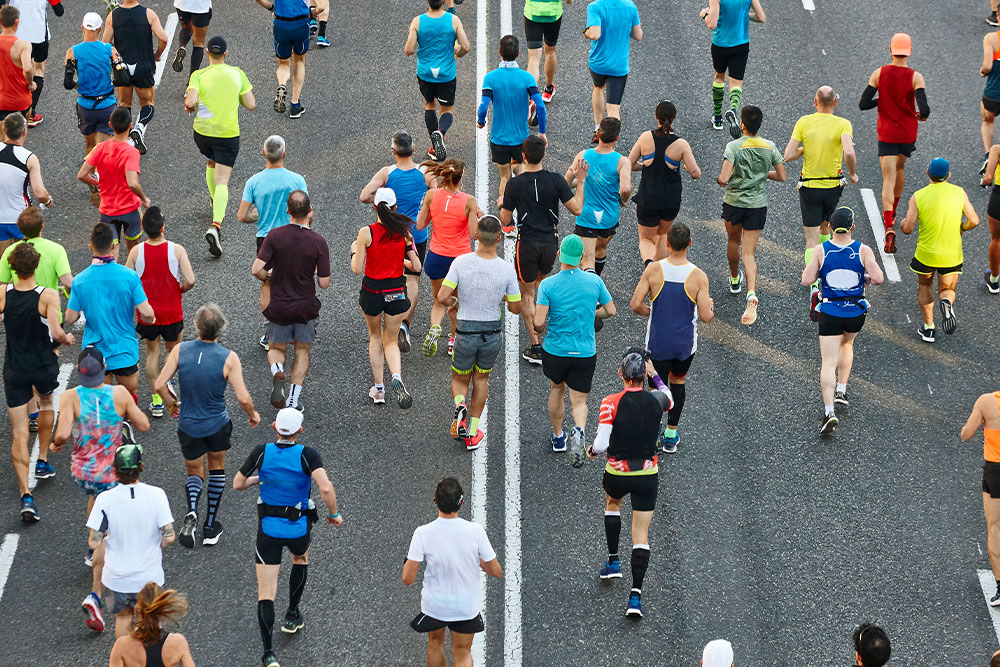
(571, 250)
(128, 457)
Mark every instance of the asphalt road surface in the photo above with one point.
(764, 533)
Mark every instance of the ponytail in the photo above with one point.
(450, 171)
(153, 606)
(396, 223)
(666, 112)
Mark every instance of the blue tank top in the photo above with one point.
(842, 280)
(671, 332)
(992, 90)
(410, 188)
(436, 48)
(600, 196)
(283, 482)
(733, 28)
(291, 9)
(203, 387)
(93, 66)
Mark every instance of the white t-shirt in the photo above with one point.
(132, 515)
(34, 25)
(482, 285)
(194, 6)
(452, 549)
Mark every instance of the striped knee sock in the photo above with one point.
(735, 97)
(193, 485)
(718, 92)
(216, 485)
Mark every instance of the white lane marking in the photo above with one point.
(908, 320)
(878, 229)
(809, 5)
(989, 586)
(169, 29)
(929, 390)
(64, 372)
(506, 20)
(7, 551)
(823, 51)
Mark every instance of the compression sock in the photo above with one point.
(216, 485)
(640, 561)
(293, 395)
(445, 123)
(887, 218)
(184, 37)
(220, 200)
(841, 387)
(823, 238)
(613, 531)
(265, 618)
(146, 115)
(322, 29)
(473, 425)
(197, 53)
(430, 120)
(37, 92)
(210, 180)
(193, 485)
(895, 205)
(809, 254)
(735, 97)
(599, 264)
(718, 92)
(296, 584)
(277, 367)
(674, 416)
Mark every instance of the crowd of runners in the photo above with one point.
(424, 221)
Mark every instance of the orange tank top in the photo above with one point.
(450, 226)
(991, 438)
(14, 93)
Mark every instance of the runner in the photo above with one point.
(380, 252)
(535, 195)
(871, 645)
(433, 36)
(898, 88)
(31, 316)
(729, 21)
(455, 550)
(992, 275)
(34, 27)
(672, 331)
(602, 201)
(659, 154)
(165, 271)
(542, 19)
(204, 429)
(823, 141)
(990, 104)
(317, 26)
(194, 17)
(938, 207)
(747, 165)
(147, 642)
(300, 259)
(453, 215)
(19, 170)
(843, 267)
(611, 25)
(130, 526)
(17, 83)
(291, 42)
(514, 97)
(88, 69)
(285, 471)
(478, 284)
(409, 182)
(131, 28)
(568, 300)
(117, 163)
(218, 92)
(986, 413)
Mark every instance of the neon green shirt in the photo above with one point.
(51, 264)
(543, 11)
(219, 89)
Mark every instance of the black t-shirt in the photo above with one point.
(310, 459)
(536, 196)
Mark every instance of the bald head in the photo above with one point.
(826, 98)
(995, 660)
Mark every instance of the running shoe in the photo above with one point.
(437, 143)
(293, 622)
(814, 298)
(402, 395)
(186, 536)
(279, 394)
(717, 122)
(993, 287)
(174, 389)
(995, 600)
(533, 355)
(430, 154)
(451, 346)
(949, 322)
(668, 444)
(92, 608)
(377, 395)
(269, 660)
(598, 324)
(403, 338)
(634, 606)
(156, 409)
(313, 28)
(430, 347)
(596, 139)
(210, 534)
(322, 41)
(559, 442)
(460, 424)
(576, 455)
(926, 333)
(611, 569)
(472, 441)
(44, 470)
(750, 314)
(280, 97)
(88, 560)
(548, 93)
(840, 398)
(29, 513)
(33, 422)
(992, 19)
(458, 2)
(128, 433)
(36, 120)
(532, 114)
(265, 342)
(734, 124)
(890, 241)
(138, 137)
(828, 425)
(178, 64)
(736, 287)
(295, 110)
(214, 240)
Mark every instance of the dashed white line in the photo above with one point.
(64, 372)
(929, 390)
(888, 261)
(7, 550)
(809, 5)
(169, 29)
(989, 586)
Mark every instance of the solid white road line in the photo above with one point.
(7, 551)
(989, 586)
(169, 29)
(878, 229)
(64, 372)
(809, 5)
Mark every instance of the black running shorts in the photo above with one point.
(424, 623)
(537, 32)
(195, 20)
(750, 219)
(593, 232)
(831, 325)
(920, 268)
(443, 92)
(642, 489)
(576, 372)
(168, 332)
(652, 217)
(534, 260)
(818, 204)
(615, 86)
(374, 303)
(991, 479)
(732, 59)
(221, 150)
(40, 51)
(18, 386)
(886, 148)
(506, 154)
(269, 548)
(194, 448)
(993, 208)
(676, 367)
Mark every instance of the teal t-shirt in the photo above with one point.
(572, 296)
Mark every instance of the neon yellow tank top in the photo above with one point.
(939, 239)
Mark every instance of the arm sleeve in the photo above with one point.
(484, 106)
(252, 464)
(603, 439)
(311, 460)
(163, 514)
(664, 398)
(921, 95)
(416, 550)
(486, 552)
(323, 261)
(539, 109)
(138, 294)
(868, 100)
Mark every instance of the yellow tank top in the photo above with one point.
(991, 439)
(939, 239)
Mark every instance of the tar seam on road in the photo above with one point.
(7, 551)
(989, 586)
(64, 373)
(888, 261)
(162, 62)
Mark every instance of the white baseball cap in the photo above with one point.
(288, 421)
(92, 21)
(717, 653)
(386, 195)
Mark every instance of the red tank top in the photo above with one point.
(14, 93)
(159, 272)
(450, 231)
(384, 257)
(897, 111)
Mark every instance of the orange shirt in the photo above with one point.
(991, 438)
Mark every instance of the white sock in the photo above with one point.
(829, 410)
(379, 387)
(397, 376)
(842, 387)
(293, 395)
(277, 367)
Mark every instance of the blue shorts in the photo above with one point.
(129, 223)
(94, 488)
(291, 37)
(436, 266)
(10, 232)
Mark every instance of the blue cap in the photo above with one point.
(939, 168)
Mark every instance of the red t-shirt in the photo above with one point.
(112, 159)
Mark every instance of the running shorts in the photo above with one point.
(168, 332)
(4, 114)
(750, 219)
(122, 601)
(199, 20)
(593, 232)
(9, 231)
(92, 488)
(222, 150)
(831, 325)
(94, 120)
(818, 204)
(193, 448)
(642, 489)
(291, 37)
(144, 76)
(991, 479)
(128, 225)
(993, 208)
(376, 303)
(536, 32)
(919, 267)
(421, 253)
(732, 59)
(299, 332)
(886, 148)
(506, 154)
(424, 623)
(123, 372)
(40, 51)
(651, 217)
(576, 372)
(476, 350)
(436, 267)
(19, 386)
(615, 86)
(676, 367)
(443, 92)
(534, 260)
(269, 548)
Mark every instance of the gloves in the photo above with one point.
(58, 9)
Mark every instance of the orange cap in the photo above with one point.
(901, 44)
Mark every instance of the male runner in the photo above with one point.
(986, 413)
(542, 19)
(535, 195)
(88, 69)
(990, 104)
(19, 169)
(194, 17)
(165, 271)
(938, 207)
(299, 259)
(898, 88)
(843, 267)
(34, 27)
(478, 283)
(16, 70)
(131, 28)
(608, 188)
(748, 163)
(218, 92)
(632, 468)
(510, 90)
(569, 300)
(871, 646)
(729, 21)
(317, 25)
(823, 141)
(116, 161)
(990, 177)
(291, 42)
(204, 429)
(285, 471)
(611, 24)
(410, 183)
(31, 315)
(678, 295)
(432, 36)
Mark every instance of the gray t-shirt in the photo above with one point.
(752, 158)
(481, 285)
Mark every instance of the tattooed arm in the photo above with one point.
(167, 535)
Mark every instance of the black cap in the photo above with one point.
(842, 219)
(216, 46)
